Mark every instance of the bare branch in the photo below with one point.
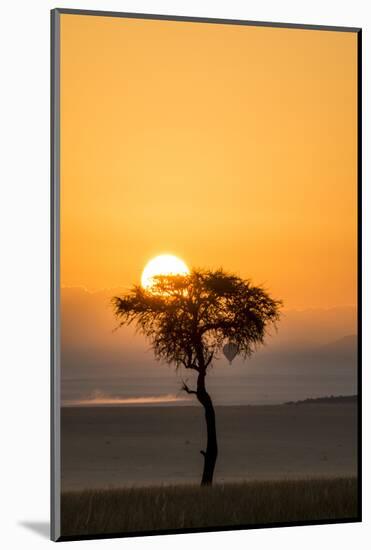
(187, 390)
(209, 360)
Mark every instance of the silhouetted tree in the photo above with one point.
(188, 319)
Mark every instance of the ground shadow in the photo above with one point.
(42, 528)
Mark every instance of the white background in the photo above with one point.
(24, 271)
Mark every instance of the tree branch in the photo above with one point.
(187, 390)
(189, 364)
(209, 360)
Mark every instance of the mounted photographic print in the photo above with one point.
(205, 281)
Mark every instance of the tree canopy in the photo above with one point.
(188, 318)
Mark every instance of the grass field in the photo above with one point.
(189, 506)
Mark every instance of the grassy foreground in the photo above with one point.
(189, 506)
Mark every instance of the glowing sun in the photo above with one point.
(166, 264)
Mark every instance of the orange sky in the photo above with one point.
(228, 146)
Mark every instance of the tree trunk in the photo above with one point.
(211, 453)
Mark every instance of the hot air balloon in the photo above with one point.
(230, 351)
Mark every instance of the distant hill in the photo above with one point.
(346, 345)
(328, 399)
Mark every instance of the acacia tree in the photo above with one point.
(187, 320)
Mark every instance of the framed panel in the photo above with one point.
(206, 278)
